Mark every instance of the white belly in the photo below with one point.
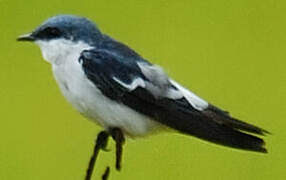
(87, 99)
(83, 94)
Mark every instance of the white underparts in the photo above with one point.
(85, 96)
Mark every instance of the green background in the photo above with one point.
(232, 53)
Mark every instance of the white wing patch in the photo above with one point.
(159, 84)
(192, 98)
(138, 82)
(155, 74)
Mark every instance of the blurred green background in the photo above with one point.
(232, 53)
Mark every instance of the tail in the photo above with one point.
(215, 125)
(225, 118)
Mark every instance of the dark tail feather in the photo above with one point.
(205, 127)
(224, 118)
(237, 124)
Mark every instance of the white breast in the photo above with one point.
(86, 97)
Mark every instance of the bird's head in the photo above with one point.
(62, 34)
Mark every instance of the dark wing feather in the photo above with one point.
(184, 118)
(212, 124)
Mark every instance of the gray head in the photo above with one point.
(67, 27)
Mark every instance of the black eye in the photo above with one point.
(49, 33)
(52, 32)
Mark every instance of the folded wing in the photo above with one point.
(147, 89)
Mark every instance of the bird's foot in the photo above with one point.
(101, 144)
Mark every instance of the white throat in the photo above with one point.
(59, 51)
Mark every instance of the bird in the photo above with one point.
(128, 96)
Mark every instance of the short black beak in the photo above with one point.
(26, 37)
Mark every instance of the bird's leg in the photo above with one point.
(101, 142)
(119, 139)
